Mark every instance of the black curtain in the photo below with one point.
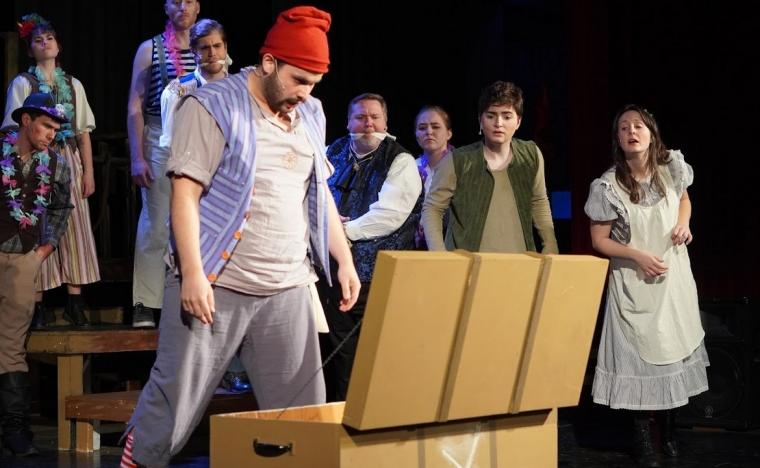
(689, 62)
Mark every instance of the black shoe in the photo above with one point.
(74, 311)
(669, 444)
(19, 444)
(143, 317)
(644, 452)
(42, 316)
(14, 414)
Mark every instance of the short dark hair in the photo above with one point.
(369, 97)
(501, 93)
(203, 28)
(42, 28)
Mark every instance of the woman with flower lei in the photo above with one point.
(75, 262)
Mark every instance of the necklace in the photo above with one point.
(356, 158)
(10, 154)
(61, 91)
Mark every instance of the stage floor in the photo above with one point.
(700, 448)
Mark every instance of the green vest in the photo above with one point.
(472, 197)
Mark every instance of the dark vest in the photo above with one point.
(354, 191)
(469, 205)
(9, 227)
(58, 142)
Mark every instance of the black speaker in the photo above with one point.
(732, 339)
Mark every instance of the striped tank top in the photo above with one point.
(156, 86)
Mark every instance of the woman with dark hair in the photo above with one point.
(651, 354)
(75, 262)
(494, 189)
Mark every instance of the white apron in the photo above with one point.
(660, 315)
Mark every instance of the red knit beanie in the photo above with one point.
(299, 37)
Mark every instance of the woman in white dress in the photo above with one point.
(651, 354)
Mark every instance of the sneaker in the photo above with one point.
(236, 382)
(142, 317)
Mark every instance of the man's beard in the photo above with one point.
(274, 93)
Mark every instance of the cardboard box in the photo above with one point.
(451, 344)
(314, 437)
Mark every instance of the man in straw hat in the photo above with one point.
(34, 209)
(251, 216)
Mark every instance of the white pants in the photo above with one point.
(152, 238)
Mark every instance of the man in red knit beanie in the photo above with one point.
(299, 38)
(248, 252)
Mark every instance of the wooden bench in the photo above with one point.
(88, 409)
(70, 347)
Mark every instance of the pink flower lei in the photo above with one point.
(10, 183)
(173, 50)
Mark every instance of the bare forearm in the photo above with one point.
(613, 248)
(85, 151)
(339, 248)
(684, 211)
(185, 221)
(135, 127)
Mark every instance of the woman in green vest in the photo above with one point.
(494, 188)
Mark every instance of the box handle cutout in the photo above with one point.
(263, 449)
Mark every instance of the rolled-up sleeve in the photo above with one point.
(197, 143)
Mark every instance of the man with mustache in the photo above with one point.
(250, 218)
(377, 189)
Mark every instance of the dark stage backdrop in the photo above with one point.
(692, 63)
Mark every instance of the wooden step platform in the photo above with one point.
(69, 348)
(91, 408)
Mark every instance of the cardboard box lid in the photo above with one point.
(409, 328)
(453, 335)
(560, 333)
(491, 335)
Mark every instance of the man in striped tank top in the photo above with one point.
(158, 61)
(246, 252)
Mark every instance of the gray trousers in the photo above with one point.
(278, 346)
